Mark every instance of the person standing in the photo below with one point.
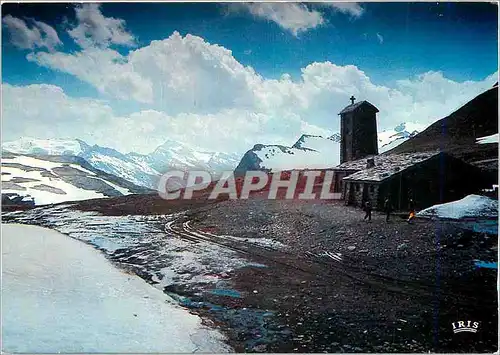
(411, 207)
(368, 210)
(387, 208)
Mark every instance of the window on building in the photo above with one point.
(357, 187)
(372, 189)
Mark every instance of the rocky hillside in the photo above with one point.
(461, 133)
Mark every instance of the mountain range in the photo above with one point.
(145, 169)
(139, 169)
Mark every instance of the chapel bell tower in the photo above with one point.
(358, 130)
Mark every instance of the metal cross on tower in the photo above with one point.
(352, 99)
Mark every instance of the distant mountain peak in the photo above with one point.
(316, 152)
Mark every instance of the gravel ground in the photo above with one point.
(398, 287)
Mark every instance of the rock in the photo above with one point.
(351, 247)
(402, 246)
(460, 246)
(260, 348)
(255, 291)
(363, 251)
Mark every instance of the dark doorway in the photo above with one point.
(365, 195)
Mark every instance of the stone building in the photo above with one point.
(358, 127)
(427, 177)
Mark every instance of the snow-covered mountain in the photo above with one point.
(143, 170)
(391, 138)
(309, 152)
(30, 180)
(316, 152)
(132, 167)
(175, 155)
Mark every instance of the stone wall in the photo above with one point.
(357, 188)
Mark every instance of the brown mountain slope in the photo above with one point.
(457, 133)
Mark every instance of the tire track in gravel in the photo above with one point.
(325, 265)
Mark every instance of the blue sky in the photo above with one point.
(447, 47)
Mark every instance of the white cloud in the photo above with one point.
(105, 69)
(198, 93)
(293, 17)
(380, 38)
(350, 8)
(94, 29)
(30, 110)
(177, 74)
(38, 35)
(45, 111)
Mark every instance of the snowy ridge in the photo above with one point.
(309, 152)
(33, 181)
(175, 155)
(391, 138)
(317, 152)
(129, 167)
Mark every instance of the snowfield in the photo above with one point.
(471, 206)
(61, 295)
(48, 182)
(488, 139)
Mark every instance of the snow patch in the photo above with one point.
(38, 179)
(471, 206)
(60, 295)
(488, 139)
